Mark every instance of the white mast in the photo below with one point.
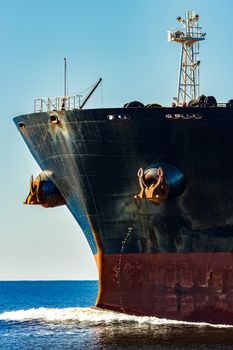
(189, 37)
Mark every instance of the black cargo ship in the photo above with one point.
(151, 188)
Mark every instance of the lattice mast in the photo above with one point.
(189, 37)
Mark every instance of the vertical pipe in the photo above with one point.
(193, 73)
(180, 75)
(65, 77)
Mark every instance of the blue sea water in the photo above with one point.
(57, 315)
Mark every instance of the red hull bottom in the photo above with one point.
(195, 287)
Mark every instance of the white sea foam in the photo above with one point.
(91, 315)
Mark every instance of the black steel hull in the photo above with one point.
(94, 163)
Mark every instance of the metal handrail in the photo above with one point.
(46, 104)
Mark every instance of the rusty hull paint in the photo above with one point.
(194, 287)
(99, 261)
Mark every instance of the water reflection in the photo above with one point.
(172, 337)
(87, 328)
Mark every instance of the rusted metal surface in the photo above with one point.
(159, 182)
(44, 192)
(191, 287)
(156, 191)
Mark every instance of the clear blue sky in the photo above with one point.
(122, 41)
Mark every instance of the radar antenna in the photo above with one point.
(189, 37)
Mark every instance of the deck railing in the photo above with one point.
(46, 104)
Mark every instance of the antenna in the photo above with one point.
(189, 37)
(65, 78)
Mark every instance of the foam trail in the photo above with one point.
(91, 315)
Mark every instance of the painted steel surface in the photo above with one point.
(193, 287)
(93, 157)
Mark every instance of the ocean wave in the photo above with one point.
(92, 315)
